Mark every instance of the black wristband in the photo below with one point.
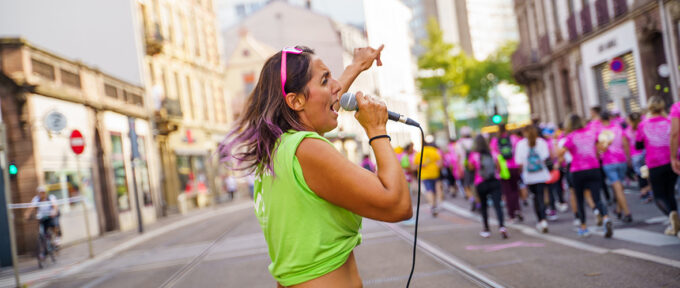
(378, 137)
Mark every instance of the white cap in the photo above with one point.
(41, 188)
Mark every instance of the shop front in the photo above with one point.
(613, 70)
(193, 169)
(129, 178)
(65, 174)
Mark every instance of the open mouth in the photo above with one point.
(335, 106)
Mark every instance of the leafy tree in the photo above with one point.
(439, 55)
(482, 76)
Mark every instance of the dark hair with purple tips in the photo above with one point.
(251, 142)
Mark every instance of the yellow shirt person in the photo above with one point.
(431, 159)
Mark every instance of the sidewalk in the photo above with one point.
(74, 257)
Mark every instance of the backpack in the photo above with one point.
(505, 147)
(487, 167)
(534, 163)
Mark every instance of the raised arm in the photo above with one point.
(363, 59)
(383, 196)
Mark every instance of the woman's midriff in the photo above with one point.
(346, 275)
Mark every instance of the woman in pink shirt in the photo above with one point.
(485, 169)
(675, 136)
(653, 135)
(615, 158)
(637, 156)
(585, 169)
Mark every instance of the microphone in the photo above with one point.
(348, 101)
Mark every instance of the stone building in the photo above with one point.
(574, 55)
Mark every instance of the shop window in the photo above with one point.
(67, 183)
(192, 174)
(603, 76)
(119, 174)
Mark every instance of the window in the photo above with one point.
(119, 173)
(190, 98)
(192, 174)
(111, 91)
(241, 10)
(70, 79)
(207, 94)
(43, 69)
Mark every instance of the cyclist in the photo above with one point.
(48, 214)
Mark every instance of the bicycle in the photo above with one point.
(46, 246)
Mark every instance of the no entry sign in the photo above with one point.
(77, 142)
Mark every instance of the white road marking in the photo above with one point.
(569, 242)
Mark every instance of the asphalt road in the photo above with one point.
(229, 251)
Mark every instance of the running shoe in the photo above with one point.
(562, 207)
(675, 222)
(551, 215)
(608, 228)
(627, 219)
(542, 226)
(485, 234)
(434, 211)
(599, 217)
(504, 232)
(583, 232)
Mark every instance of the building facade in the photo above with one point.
(183, 66)
(615, 54)
(104, 109)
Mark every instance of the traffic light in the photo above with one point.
(496, 119)
(12, 170)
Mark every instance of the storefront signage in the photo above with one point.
(606, 45)
(77, 142)
(55, 121)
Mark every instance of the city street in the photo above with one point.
(228, 250)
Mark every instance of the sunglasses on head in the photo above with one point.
(292, 50)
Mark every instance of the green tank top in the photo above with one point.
(307, 236)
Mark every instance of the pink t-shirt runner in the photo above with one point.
(581, 145)
(493, 144)
(675, 113)
(476, 162)
(655, 133)
(630, 133)
(615, 153)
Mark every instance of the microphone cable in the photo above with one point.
(415, 237)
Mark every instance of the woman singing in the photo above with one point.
(310, 199)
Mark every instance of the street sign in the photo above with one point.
(77, 142)
(55, 121)
(617, 65)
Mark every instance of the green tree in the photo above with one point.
(438, 56)
(482, 76)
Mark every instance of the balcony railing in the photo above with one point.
(154, 40)
(544, 46)
(586, 21)
(620, 8)
(571, 27)
(602, 12)
(524, 57)
(172, 107)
